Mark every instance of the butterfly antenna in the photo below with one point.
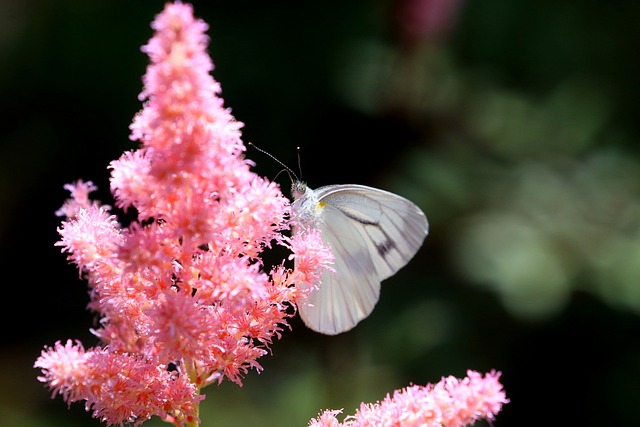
(299, 163)
(287, 168)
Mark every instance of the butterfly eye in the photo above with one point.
(298, 189)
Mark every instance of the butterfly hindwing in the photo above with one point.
(348, 294)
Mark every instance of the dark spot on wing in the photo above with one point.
(385, 247)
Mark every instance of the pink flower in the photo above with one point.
(420, 20)
(117, 387)
(449, 403)
(183, 285)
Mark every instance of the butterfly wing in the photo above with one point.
(348, 294)
(394, 227)
(372, 234)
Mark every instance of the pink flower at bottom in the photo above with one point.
(452, 402)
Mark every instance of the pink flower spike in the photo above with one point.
(449, 403)
(180, 290)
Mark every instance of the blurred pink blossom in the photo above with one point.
(452, 402)
(426, 20)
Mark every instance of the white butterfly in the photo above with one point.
(372, 234)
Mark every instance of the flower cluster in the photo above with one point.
(181, 292)
(449, 403)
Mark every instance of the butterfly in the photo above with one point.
(372, 234)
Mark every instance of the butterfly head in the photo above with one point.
(298, 189)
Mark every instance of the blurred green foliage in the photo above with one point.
(512, 124)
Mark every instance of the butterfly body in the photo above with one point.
(372, 234)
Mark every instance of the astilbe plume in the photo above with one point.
(182, 295)
(183, 298)
(449, 403)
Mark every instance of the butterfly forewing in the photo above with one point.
(392, 226)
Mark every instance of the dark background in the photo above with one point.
(513, 124)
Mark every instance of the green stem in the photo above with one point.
(194, 423)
